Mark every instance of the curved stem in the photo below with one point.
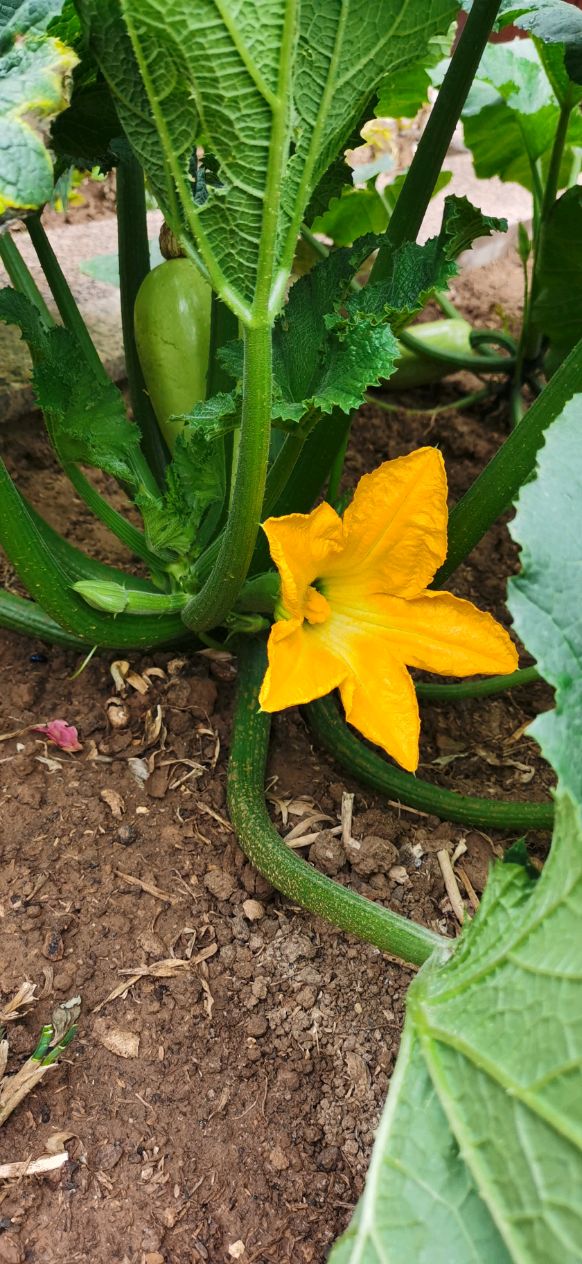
(476, 363)
(131, 536)
(476, 688)
(446, 305)
(25, 617)
(266, 850)
(209, 607)
(333, 733)
(494, 489)
(493, 338)
(22, 278)
(134, 264)
(430, 155)
(465, 401)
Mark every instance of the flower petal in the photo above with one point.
(444, 634)
(62, 734)
(300, 545)
(301, 666)
(395, 528)
(380, 700)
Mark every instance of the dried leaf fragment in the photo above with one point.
(114, 801)
(123, 1043)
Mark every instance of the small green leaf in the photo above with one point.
(34, 70)
(351, 215)
(523, 243)
(86, 415)
(330, 344)
(417, 271)
(478, 1155)
(406, 90)
(194, 482)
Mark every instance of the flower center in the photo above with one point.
(316, 608)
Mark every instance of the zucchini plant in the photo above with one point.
(244, 370)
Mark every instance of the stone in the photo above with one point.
(327, 853)
(371, 854)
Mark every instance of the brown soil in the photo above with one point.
(248, 1112)
(96, 199)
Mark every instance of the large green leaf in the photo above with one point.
(272, 89)
(544, 599)
(557, 309)
(478, 1158)
(34, 70)
(511, 116)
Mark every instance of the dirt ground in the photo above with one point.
(258, 1064)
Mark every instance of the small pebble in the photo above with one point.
(126, 835)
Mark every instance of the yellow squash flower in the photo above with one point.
(355, 611)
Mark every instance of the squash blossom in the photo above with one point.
(355, 611)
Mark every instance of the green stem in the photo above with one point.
(475, 363)
(223, 329)
(76, 563)
(494, 489)
(281, 470)
(260, 594)
(425, 168)
(21, 277)
(61, 292)
(134, 264)
(336, 471)
(265, 849)
(26, 618)
(476, 688)
(318, 246)
(131, 536)
(333, 733)
(447, 306)
(517, 407)
(209, 607)
(465, 401)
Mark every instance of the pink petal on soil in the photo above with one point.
(62, 734)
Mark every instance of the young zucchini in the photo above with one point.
(416, 370)
(172, 333)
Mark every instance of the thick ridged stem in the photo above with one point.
(277, 862)
(332, 732)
